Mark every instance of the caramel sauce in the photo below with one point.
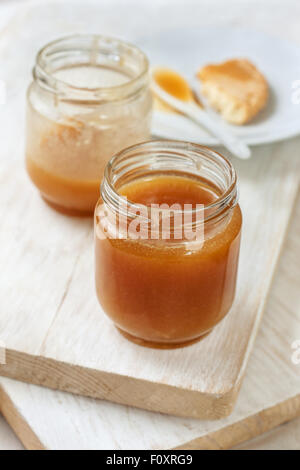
(235, 69)
(69, 141)
(169, 190)
(69, 196)
(173, 83)
(165, 296)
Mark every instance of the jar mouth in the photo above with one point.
(171, 155)
(86, 50)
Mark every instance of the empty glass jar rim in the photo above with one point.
(84, 42)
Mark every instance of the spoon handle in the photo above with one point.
(232, 143)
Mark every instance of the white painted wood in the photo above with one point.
(8, 440)
(53, 327)
(270, 394)
(285, 437)
(242, 13)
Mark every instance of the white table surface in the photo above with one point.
(279, 17)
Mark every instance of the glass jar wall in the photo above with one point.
(89, 98)
(167, 291)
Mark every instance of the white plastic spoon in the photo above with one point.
(174, 90)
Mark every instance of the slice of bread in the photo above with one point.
(235, 88)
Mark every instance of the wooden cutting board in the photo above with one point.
(54, 330)
(270, 394)
(8, 439)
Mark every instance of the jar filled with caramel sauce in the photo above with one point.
(167, 288)
(89, 98)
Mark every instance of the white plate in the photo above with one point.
(188, 50)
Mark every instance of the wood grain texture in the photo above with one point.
(73, 422)
(54, 329)
(284, 437)
(270, 394)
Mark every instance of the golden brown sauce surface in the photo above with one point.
(168, 190)
(168, 296)
(234, 69)
(173, 83)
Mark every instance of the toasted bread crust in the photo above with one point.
(235, 88)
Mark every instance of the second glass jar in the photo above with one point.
(161, 287)
(89, 98)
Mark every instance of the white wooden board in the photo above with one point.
(270, 394)
(284, 437)
(54, 330)
(8, 440)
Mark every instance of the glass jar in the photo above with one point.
(167, 291)
(89, 98)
